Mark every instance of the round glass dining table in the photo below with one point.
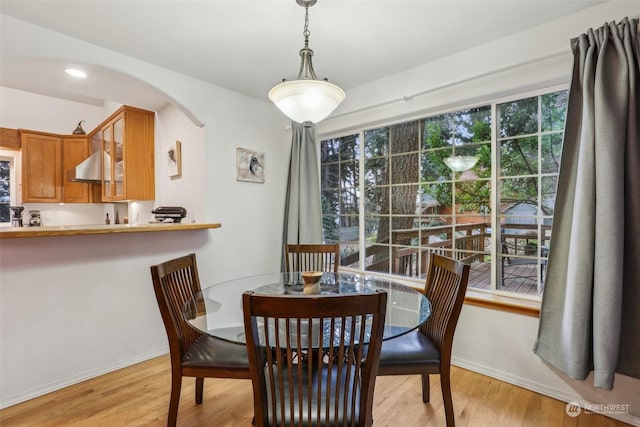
(217, 310)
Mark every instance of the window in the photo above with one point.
(496, 216)
(340, 182)
(8, 183)
(5, 192)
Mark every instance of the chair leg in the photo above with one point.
(199, 389)
(426, 388)
(174, 400)
(445, 385)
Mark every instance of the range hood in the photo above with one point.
(89, 170)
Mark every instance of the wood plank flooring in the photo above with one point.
(138, 396)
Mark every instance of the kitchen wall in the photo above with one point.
(24, 110)
(496, 343)
(75, 307)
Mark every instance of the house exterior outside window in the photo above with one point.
(389, 199)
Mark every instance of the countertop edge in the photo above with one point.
(83, 230)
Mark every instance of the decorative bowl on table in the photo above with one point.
(311, 281)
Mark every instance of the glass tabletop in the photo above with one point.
(217, 310)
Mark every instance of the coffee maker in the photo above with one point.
(36, 219)
(16, 217)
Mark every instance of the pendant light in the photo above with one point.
(460, 163)
(306, 100)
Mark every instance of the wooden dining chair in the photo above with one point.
(324, 257)
(428, 350)
(192, 353)
(307, 366)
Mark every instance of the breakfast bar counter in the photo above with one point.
(79, 230)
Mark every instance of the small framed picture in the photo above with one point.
(250, 165)
(174, 159)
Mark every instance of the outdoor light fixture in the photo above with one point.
(460, 163)
(306, 100)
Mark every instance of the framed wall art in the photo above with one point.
(174, 159)
(250, 165)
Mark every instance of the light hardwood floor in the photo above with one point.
(138, 396)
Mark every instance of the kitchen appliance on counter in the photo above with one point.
(16, 217)
(169, 213)
(36, 219)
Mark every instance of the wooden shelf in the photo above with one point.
(81, 230)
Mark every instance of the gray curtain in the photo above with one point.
(303, 212)
(590, 314)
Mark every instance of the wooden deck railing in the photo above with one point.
(410, 248)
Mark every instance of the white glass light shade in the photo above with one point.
(461, 163)
(307, 100)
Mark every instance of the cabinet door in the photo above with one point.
(107, 150)
(74, 151)
(113, 181)
(118, 159)
(41, 168)
(139, 181)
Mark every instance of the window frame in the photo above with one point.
(492, 297)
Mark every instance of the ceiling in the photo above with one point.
(248, 46)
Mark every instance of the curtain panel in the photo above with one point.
(590, 314)
(303, 212)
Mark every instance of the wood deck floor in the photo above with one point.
(520, 279)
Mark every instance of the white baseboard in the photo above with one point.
(83, 376)
(554, 393)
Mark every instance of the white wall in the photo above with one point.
(170, 191)
(74, 307)
(25, 110)
(492, 342)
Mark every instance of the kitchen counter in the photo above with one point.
(79, 230)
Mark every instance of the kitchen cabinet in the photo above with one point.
(9, 139)
(75, 150)
(45, 158)
(127, 140)
(41, 167)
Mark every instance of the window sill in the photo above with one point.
(503, 303)
(488, 300)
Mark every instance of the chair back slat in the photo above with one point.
(175, 283)
(307, 363)
(445, 287)
(312, 258)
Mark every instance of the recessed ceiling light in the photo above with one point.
(76, 73)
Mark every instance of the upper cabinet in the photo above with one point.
(41, 167)
(74, 150)
(45, 158)
(127, 140)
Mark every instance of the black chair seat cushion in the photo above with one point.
(292, 381)
(211, 352)
(411, 349)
